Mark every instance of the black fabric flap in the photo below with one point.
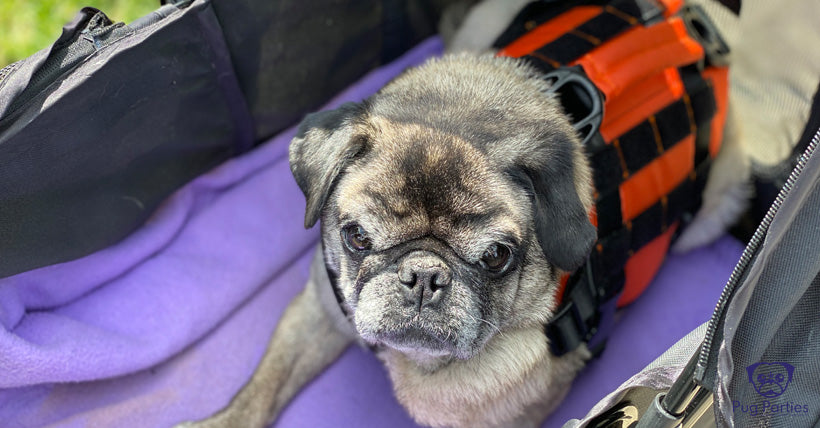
(89, 155)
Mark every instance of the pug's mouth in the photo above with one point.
(419, 337)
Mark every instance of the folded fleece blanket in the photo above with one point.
(168, 324)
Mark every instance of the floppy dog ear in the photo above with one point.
(562, 223)
(324, 144)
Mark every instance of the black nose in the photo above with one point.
(424, 279)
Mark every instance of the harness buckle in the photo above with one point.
(585, 317)
(580, 99)
(704, 31)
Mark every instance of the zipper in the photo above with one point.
(746, 257)
(7, 70)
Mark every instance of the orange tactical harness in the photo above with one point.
(644, 83)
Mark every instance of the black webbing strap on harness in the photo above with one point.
(617, 17)
(334, 284)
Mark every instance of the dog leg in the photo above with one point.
(305, 341)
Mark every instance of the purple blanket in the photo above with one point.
(168, 324)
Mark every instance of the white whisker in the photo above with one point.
(487, 322)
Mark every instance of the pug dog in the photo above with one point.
(451, 202)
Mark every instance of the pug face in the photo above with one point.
(770, 379)
(450, 202)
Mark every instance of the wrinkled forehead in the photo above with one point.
(417, 180)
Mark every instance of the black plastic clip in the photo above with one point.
(580, 99)
(584, 317)
(702, 29)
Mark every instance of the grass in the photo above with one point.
(26, 26)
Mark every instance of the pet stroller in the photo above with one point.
(151, 234)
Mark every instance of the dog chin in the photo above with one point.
(419, 343)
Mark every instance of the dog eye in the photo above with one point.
(355, 238)
(496, 258)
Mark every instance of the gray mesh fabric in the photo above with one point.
(657, 376)
(769, 361)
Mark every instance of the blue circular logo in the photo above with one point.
(770, 379)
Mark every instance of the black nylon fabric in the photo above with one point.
(87, 158)
(291, 55)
